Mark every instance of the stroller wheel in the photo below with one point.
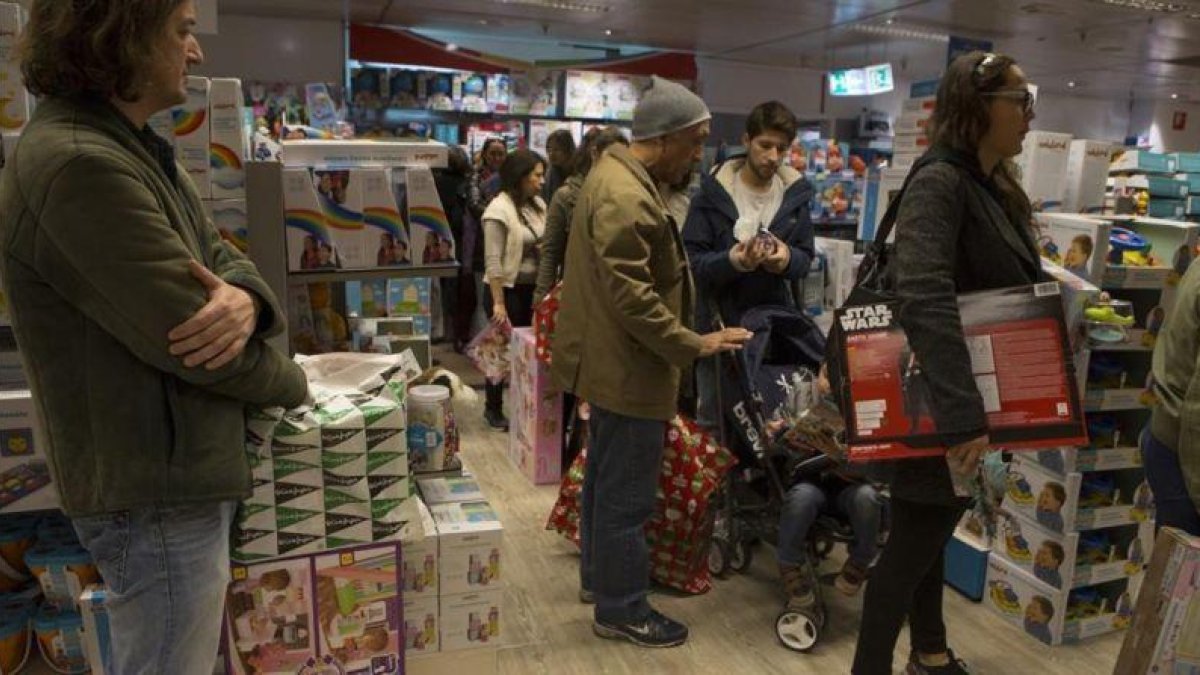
(798, 631)
(719, 556)
(741, 556)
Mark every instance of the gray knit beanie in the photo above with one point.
(667, 107)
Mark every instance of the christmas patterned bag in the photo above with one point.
(694, 467)
(545, 318)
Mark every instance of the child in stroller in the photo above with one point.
(793, 487)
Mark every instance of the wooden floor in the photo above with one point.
(732, 627)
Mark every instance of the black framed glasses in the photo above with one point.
(1022, 96)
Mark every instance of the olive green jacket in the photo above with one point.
(95, 242)
(1176, 417)
(622, 336)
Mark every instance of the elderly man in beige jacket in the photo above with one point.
(621, 344)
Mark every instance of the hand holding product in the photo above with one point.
(779, 255)
(217, 333)
(499, 314)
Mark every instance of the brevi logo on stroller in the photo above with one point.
(783, 432)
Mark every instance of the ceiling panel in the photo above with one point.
(1102, 47)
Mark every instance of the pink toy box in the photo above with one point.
(535, 438)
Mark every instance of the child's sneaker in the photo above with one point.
(852, 578)
(798, 587)
(955, 666)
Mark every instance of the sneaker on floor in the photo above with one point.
(956, 666)
(496, 420)
(799, 589)
(655, 630)
(587, 597)
(852, 578)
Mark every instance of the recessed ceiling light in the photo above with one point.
(1174, 96)
(608, 31)
(564, 5)
(1071, 84)
(451, 47)
(890, 21)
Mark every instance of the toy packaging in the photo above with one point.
(881, 187)
(409, 297)
(1078, 243)
(230, 219)
(25, 480)
(229, 142)
(419, 574)
(436, 491)
(359, 609)
(387, 237)
(1087, 174)
(60, 638)
(1165, 636)
(310, 240)
(838, 198)
(1023, 366)
(1076, 501)
(1043, 163)
(1186, 162)
(429, 228)
(535, 442)
(471, 620)
(1193, 181)
(367, 299)
(1053, 616)
(422, 634)
(535, 93)
(97, 635)
(1140, 161)
(192, 134)
(1166, 208)
(910, 143)
(1073, 559)
(470, 547)
(340, 611)
(15, 101)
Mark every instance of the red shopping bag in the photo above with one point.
(545, 318)
(678, 533)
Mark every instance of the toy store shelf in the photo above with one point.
(474, 661)
(332, 276)
(1101, 517)
(1135, 343)
(1109, 459)
(1114, 400)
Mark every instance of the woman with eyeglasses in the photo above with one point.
(964, 225)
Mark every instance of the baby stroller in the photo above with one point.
(775, 370)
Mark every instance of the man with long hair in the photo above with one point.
(141, 330)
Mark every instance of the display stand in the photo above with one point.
(1077, 523)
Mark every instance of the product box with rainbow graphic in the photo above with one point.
(429, 228)
(381, 215)
(14, 100)
(192, 134)
(229, 141)
(230, 219)
(310, 243)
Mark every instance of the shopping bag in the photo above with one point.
(678, 533)
(545, 318)
(489, 352)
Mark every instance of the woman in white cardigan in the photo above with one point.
(513, 225)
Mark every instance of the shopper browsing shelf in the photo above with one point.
(513, 226)
(621, 342)
(964, 225)
(1170, 447)
(562, 207)
(142, 332)
(459, 299)
(560, 157)
(749, 234)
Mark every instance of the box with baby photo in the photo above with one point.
(1057, 616)
(1073, 559)
(1077, 501)
(1021, 361)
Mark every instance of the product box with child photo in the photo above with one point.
(1021, 359)
(1165, 636)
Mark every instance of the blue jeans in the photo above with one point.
(619, 490)
(1173, 505)
(805, 501)
(166, 569)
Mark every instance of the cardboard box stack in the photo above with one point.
(464, 558)
(1187, 169)
(1144, 183)
(1087, 176)
(325, 479)
(535, 441)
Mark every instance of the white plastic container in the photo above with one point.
(428, 408)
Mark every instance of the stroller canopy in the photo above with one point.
(783, 336)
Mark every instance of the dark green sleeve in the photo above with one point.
(104, 243)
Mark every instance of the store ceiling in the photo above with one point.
(1107, 47)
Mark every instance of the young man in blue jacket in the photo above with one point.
(731, 264)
